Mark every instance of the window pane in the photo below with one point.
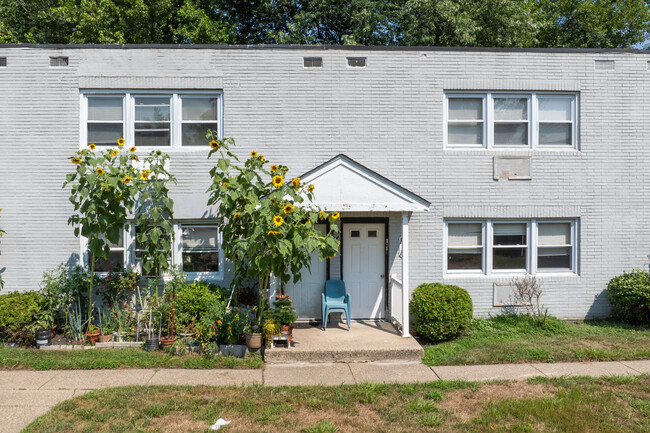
(200, 237)
(510, 109)
(201, 262)
(152, 134)
(551, 109)
(199, 108)
(471, 133)
(152, 109)
(509, 234)
(194, 133)
(120, 242)
(460, 235)
(555, 134)
(104, 133)
(509, 258)
(464, 258)
(555, 258)
(105, 108)
(465, 109)
(554, 234)
(115, 261)
(511, 134)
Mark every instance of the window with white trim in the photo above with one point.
(200, 249)
(116, 257)
(150, 118)
(510, 247)
(529, 120)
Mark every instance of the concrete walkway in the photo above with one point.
(24, 395)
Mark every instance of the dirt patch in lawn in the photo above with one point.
(177, 422)
(466, 404)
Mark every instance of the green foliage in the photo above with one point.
(441, 311)
(629, 294)
(118, 285)
(18, 311)
(231, 329)
(209, 324)
(2, 232)
(193, 299)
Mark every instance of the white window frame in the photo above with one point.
(128, 116)
(177, 258)
(492, 121)
(531, 253)
(533, 119)
(126, 247)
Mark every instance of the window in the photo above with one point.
(498, 247)
(150, 119)
(313, 62)
(356, 62)
(140, 254)
(58, 61)
(465, 246)
(511, 120)
(116, 257)
(200, 249)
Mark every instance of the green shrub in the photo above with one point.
(629, 295)
(17, 313)
(193, 299)
(441, 311)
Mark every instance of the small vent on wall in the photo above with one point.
(604, 65)
(3, 62)
(58, 61)
(313, 62)
(357, 62)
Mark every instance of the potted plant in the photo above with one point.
(231, 331)
(42, 328)
(92, 335)
(253, 334)
(106, 327)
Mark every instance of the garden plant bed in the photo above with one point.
(35, 359)
(569, 405)
(515, 339)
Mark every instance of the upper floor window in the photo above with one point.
(151, 118)
(511, 120)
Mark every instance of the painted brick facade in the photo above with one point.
(387, 116)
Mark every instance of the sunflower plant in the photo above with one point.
(103, 190)
(266, 218)
(2, 283)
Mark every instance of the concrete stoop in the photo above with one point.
(282, 355)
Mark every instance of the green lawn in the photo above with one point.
(576, 405)
(511, 339)
(34, 359)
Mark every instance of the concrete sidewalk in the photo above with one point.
(25, 395)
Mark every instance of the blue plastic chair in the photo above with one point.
(334, 298)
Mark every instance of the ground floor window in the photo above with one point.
(506, 246)
(196, 249)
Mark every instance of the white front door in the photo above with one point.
(306, 293)
(363, 269)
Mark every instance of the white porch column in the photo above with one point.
(405, 274)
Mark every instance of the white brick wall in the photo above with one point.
(387, 116)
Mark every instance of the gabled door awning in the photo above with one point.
(342, 184)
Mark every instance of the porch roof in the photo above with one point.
(343, 184)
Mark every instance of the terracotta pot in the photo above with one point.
(288, 331)
(92, 337)
(106, 338)
(253, 340)
(166, 342)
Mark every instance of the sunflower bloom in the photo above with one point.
(76, 161)
(288, 209)
(127, 179)
(278, 220)
(321, 215)
(310, 188)
(262, 158)
(120, 142)
(278, 181)
(237, 215)
(92, 146)
(214, 144)
(114, 152)
(99, 170)
(253, 154)
(145, 175)
(296, 183)
(273, 232)
(336, 215)
(132, 149)
(274, 168)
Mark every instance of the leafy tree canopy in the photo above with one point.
(504, 23)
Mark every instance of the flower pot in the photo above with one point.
(166, 342)
(287, 331)
(92, 337)
(151, 344)
(253, 340)
(236, 350)
(106, 338)
(43, 338)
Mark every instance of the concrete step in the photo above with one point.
(283, 355)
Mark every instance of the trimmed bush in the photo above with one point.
(629, 295)
(17, 312)
(441, 311)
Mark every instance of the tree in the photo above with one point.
(266, 221)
